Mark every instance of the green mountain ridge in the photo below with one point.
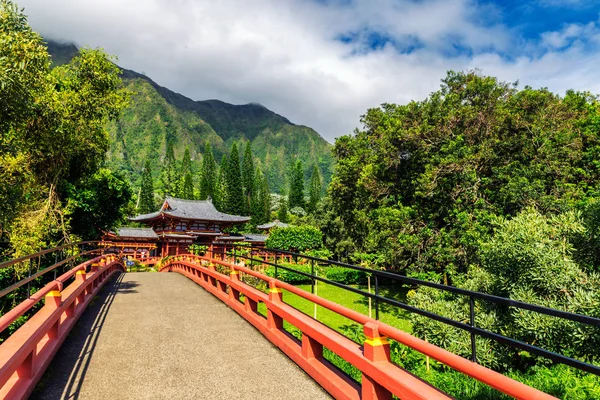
(157, 115)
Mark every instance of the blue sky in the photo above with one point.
(323, 63)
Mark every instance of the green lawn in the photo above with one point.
(389, 314)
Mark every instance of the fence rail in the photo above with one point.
(265, 255)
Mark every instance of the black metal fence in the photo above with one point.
(250, 253)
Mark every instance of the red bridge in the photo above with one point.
(188, 332)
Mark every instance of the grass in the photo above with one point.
(391, 315)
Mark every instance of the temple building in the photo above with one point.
(270, 225)
(175, 226)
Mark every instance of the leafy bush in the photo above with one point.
(197, 249)
(344, 275)
(295, 238)
(290, 276)
(299, 211)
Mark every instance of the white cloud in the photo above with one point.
(284, 54)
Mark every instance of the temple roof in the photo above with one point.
(140, 233)
(277, 223)
(190, 209)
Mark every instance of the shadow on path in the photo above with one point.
(65, 375)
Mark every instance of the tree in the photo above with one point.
(234, 195)
(186, 185)
(315, 189)
(296, 198)
(146, 201)
(283, 214)
(261, 199)
(220, 192)
(209, 174)
(265, 200)
(248, 176)
(295, 238)
(53, 135)
(169, 174)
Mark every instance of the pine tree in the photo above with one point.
(209, 174)
(220, 182)
(265, 194)
(248, 176)
(146, 204)
(186, 185)
(234, 195)
(296, 198)
(283, 213)
(314, 190)
(169, 174)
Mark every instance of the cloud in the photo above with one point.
(290, 55)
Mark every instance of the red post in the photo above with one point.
(234, 294)
(311, 349)
(274, 321)
(80, 278)
(376, 349)
(53, 300)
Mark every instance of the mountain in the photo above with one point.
(157, 115)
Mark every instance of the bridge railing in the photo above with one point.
(273, 257)
(25, 355)
(380, 377)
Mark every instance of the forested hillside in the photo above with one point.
(157, 115)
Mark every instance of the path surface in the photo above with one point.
(160, 336)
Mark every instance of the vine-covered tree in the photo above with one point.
(315, 189)
(208, 175)
(146, 201)
(248, 176)
(296, 198)
(234, 196)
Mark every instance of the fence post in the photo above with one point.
(274, 321)
(472, 323)
(375, 349)
(275, 264)
(376, 298)
(234, 254)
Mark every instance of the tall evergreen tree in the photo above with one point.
(248, 176)
(314, 189)
(283, 214)
(265, 199)
(220, 185)
(186, 184)
(169, 174)
(296, 198)
(209, 174)
(146, 204)
(234, 196)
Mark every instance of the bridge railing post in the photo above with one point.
(376, 348)
(274, 321)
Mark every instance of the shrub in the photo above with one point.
(344, 275)
(295, 238)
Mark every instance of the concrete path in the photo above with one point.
(160, 336)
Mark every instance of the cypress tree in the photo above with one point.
(296, 198)
(209, 174)
(283, 213)
(186, 184)
(234, 203)
(248, 176)
(258, 202)
(220, 182)
(146, 204)
(169, 175)
(265, 200)
(314, 190)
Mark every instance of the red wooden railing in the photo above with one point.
(380, 377)
(26, 354)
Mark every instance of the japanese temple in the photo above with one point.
(175, 226)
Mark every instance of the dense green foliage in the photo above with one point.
(421, 184)
(315, 189)
(53, 140)
(208, 179)
(234, 202)
(288, 276)
(295, 238)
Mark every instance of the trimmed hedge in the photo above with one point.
(289, 276)
(347, 276)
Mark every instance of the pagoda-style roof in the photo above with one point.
(135, 233)
(203, 210)
(277, 223)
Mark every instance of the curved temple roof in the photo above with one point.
(190, 209)
(276, 223)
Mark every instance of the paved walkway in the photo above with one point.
(160, 336)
